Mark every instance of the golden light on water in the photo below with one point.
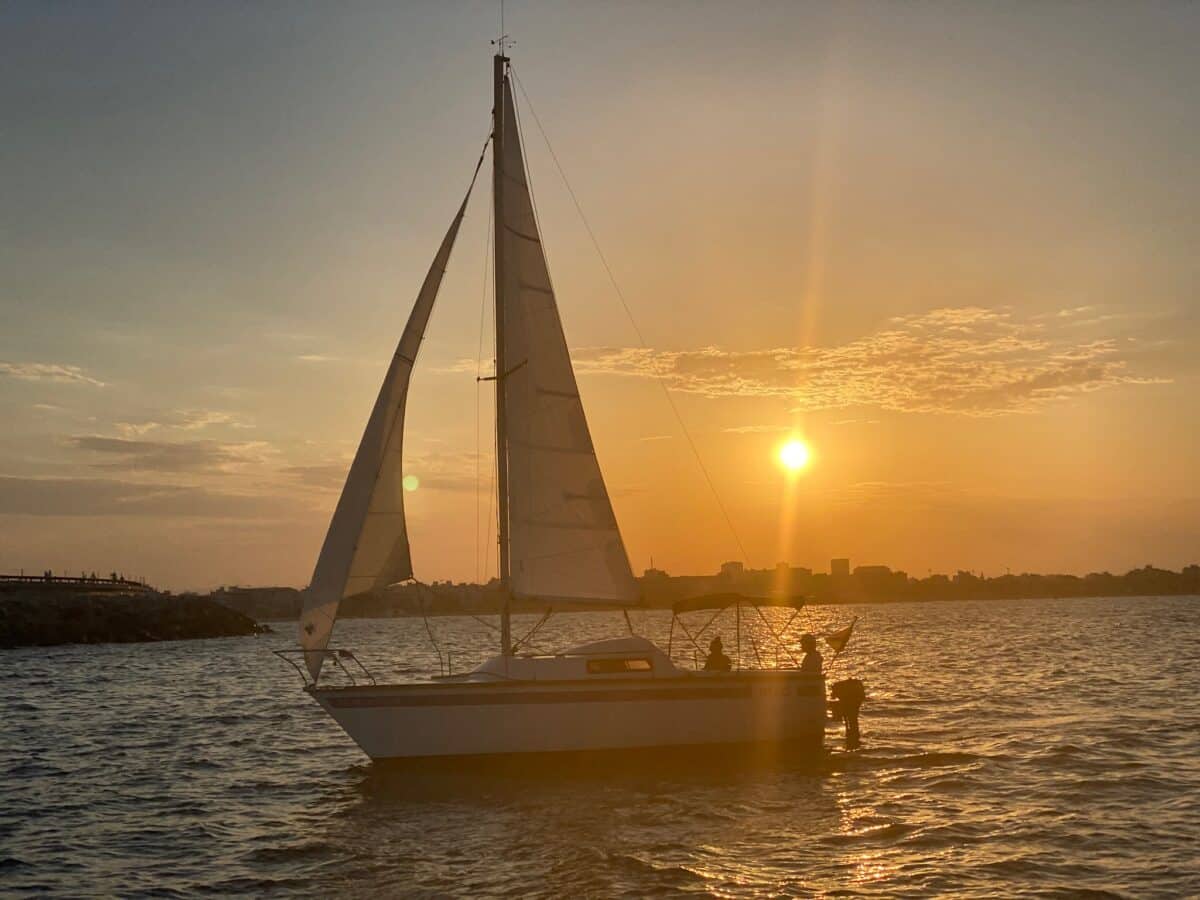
(795, 455)
(411, 483)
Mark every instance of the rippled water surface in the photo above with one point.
(1021, 748)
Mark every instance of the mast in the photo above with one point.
(498, 76)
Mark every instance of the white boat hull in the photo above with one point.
(465, 719)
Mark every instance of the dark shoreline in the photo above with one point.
(47, 619)
(51, 614)
(50, 617)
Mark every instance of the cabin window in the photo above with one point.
(614, 666)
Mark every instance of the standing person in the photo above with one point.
(848, 696)
(812, 661)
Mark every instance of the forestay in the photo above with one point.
(366, 547)
(564, 544)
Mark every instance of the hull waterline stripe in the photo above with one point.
(560, 697)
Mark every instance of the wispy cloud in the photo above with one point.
(184, 420)
(105, 497)
(324, 476)
(36, 371)
(876, 493)
(316, 358)
(756, 429)
(125, 454)
(969, 360)
(136, 429)
(435, 471)
(1071, 312)
(192, 419)
(442, 471)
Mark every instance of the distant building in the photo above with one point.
(260, 603)
(781, 580)
(785, 569)
(839, 568)
(871, 571)
(732, 570)
(880, 581)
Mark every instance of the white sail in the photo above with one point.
(366, 547)
(564, 544)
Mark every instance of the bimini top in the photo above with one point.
(722, 601)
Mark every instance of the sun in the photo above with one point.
(795, 455)
(411, 483)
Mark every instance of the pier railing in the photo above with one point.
(91, 582)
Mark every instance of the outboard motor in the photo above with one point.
(848, 695)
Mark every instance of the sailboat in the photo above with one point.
(559, 543)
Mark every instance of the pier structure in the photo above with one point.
(82, 583)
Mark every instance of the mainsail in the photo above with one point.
(563, 540)
(366, 547)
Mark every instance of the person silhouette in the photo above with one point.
(812, 661)
(848, 695)
(717, 661)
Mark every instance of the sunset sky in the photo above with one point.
(953, 247)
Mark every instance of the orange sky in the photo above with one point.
(951, 247)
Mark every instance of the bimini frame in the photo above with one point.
(718, 603)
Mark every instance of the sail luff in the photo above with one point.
(366, 547)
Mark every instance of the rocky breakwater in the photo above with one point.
(40, 618)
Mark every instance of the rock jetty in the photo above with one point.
(40, 618)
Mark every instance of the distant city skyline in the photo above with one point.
(659, 590)
(880, 575)
(947, 250)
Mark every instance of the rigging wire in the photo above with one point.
(485, 622)
(444, 661)
(437, 648)
(632, 321)
(491, 520)
(528, 639)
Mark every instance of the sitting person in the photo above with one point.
(812, 661)
(717, 661)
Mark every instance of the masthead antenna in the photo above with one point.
(503, 42)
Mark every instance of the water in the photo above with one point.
(1036, 748)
